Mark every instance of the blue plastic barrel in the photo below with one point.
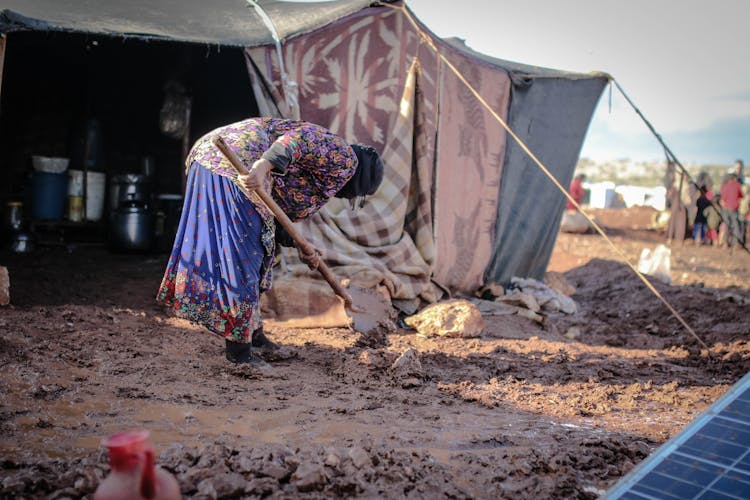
(48, 193)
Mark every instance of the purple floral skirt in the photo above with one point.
(213, 274)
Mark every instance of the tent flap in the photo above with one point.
(551, 117)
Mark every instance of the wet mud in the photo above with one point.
(561, 410)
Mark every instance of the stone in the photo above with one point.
(261, 486)
(408, 364)
(520, 299)
(531, 315)
(228, 485)
(574, 222)
(411, 382)
(309, 477)
(274, 470)
(360, 458)
(451, 318)
(4, 286)
(333, 460)
(374, 358)
(573, 333)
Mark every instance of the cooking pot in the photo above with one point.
(128, 188)
(132, 227)
(22, 242)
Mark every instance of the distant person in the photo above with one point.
(694, 189)
(739, 170)
(677, 226)
(713, 222)
(713, 216)
(744, 211)
(700, 223)
(731, 194)
(576, 191)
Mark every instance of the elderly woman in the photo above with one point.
(224, 249)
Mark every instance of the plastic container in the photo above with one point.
(48, 193)
(134, 474)
(96, 183)
(75, 208)
(50, 164)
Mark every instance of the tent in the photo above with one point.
(462, 204)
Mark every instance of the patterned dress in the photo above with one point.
(223, 252)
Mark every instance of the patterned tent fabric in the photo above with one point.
(351, 79)
(373, 77)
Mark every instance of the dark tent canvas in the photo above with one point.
(462, 204)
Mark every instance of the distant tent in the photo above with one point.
(462, 204)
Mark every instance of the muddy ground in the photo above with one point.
(561, 410)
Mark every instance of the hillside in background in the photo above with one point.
(639, 173)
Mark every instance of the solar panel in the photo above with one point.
(709, 459)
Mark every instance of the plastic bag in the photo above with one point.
(656, 263)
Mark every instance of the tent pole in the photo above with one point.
(186, 143)
(3, 39)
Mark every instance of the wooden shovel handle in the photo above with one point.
(284, 220)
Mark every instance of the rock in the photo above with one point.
(451, 318)
(558, 282)
(407, 364)
(360, 457)
(309, 477)
(245, 464)
(411, 382)
(333, 460)
(374, 358)
(4, 286)
(567, 305)
(274, 470)
(195, 476)
(531, 315)
(573, 333)
(261, 486)
(525, 300)
(228, 485)
(574, 222)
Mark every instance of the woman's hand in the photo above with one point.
(311, 259)
(256, 176)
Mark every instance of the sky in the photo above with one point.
(684, 63)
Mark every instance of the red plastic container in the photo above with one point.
(134, 474)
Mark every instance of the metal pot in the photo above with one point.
(127, 188)
(132, 228)
(22, 242)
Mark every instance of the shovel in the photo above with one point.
(360, 300)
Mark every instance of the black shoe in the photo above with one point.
(262, 343)
(239, 353)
